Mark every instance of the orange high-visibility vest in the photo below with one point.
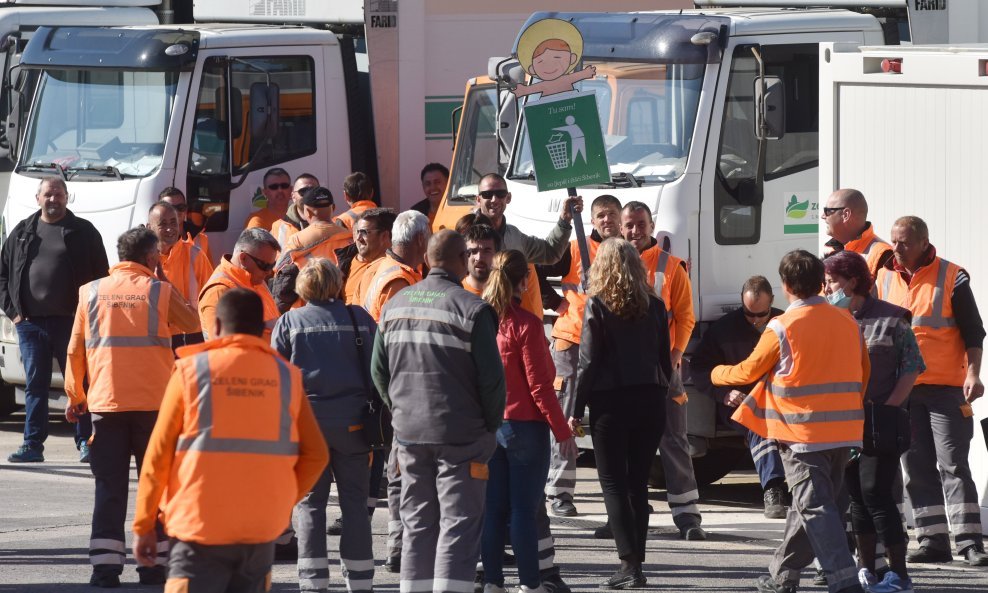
(929, 297)
(661, 268)
(531, 300)
(187, 268)
(282, 231)
(128, 343)
(349, 218)
(868, 245)
(569, 325)
(814, 393)
(313, 242)
(238, 446)
(225, 277)
(388, 270)
(201, 240)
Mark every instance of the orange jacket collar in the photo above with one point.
(240, 341)
(133, 268)
(239, 275)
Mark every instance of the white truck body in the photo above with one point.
(915, 144)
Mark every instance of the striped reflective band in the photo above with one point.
(566, 286)
(804, 417)
(660, 274)
(151, 339)
(424, 313)
(937, 320)
(282, 234)
(871, 245)
(193, 282)
(371, 294)
(204, 441)
(426, 338)
(817, 389)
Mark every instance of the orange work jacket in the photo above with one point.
(187, 269)
(668, 277)
(388, 270)
(569, 325)
(349, 218)
(225, 277)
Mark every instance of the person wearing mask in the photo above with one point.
(845, 215)
(434, 179)
(358, 191)
(119, 361)
(249, 267)
(872, 474)
(950, 334)
(276, 187)
(810, 369)
(437, 366)
(190, 231)
(401, 265)
(182, 262)
(44, 261)
(235, 435)
(623, 375)
(520, 463)
(293, 221)
(729, 341)
(319, 338)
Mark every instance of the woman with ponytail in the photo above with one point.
(520, 464)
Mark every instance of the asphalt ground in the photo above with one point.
(45, 512)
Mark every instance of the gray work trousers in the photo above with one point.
(236, 568)
(674, 451)
(349, 458)
(395, 531)
(443, 491)
(562, 470)
(814, 524)
(941, 436)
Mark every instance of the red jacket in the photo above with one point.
(529, 372)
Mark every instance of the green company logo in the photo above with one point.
(798, 219)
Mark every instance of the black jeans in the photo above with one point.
(626, 426)
(870, 482)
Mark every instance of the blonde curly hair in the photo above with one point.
(618, 279)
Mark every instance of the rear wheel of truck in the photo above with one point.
(708, 469)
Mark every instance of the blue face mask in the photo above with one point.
(839, 299)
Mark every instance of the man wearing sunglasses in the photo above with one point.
(846, 218)
(191, 232)
(293, 221)
(277, 190)
(729, 341)
(250, 265)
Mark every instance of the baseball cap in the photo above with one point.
(316, 197)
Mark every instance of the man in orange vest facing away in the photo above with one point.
(671, 282)
(250, 265)
(185, 266)
(121, 343)
(358, 191)
(846, 216)
(401, 265)
(811, 368)
(235, 434)
(950, 334)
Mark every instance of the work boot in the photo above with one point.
(975, 555)
(554, 583)
(104, 580)
(336, 527)
(392, 564)
(603, 532)
(775, 506)
(693, 533)
(152, 575)
(27, 454)
(563, 507)
(929, 554)
(767, 584)
(626, 578)
(866, 578)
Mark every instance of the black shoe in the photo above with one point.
(631, 578)
(392, 564)
(603, 532)
(27, 454)
(820, 577)
(105, 580)
(929, 554)
(975, 556)
(154, 575)
(554, 583)
(775, 503)
(336, 527)
(562, 507)
(693, 533)
(287, 552)
(767, 584)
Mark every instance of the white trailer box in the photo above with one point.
(915, 144)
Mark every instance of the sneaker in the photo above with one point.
(866, 578)
(392, 564)
(775, 504)
(929, 554)
(603, 532)
(562, 507)
(975, 556)
(767, 584)
(27, 454)
(336, 527)
(554, 583)
(153, 575)
(892, 583)
(492, 588)
(626, 579)
(693, 533)
(84, 452)
(820, 578)
(104, 580)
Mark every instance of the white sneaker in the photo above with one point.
(524, 589)
(866, 578)
(492, 588)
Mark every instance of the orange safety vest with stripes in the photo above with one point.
(569, 325)
(929, 296)
(388, 270)
(201, 240)
(531, 299)
(814, 393)
(324, 246)
(128, 344)
(660, 265)
(351, 216)
(870, 246)
(239, 442)
(187, 268)
(282, 231)
(229, 276)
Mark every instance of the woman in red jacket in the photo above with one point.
(520, 464)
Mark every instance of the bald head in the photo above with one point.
(845, 214)
(448, 250)
(853, 200)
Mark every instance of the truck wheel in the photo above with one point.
(708, 469)
(7, 403)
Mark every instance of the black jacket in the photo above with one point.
(84, 244)
(616, 352)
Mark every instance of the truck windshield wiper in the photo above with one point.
(530, 176)
(624, 179)
(103, 171)
(41, 166)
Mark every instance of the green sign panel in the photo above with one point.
(567, 145)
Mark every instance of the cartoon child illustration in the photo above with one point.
(549, 51)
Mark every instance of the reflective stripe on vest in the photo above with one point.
(817, 389)
(937, 320)
(282, 234)
(804, 417)
(193, 282)
(427, 337)
(152, 339)
(204, 441)
(377, 285)
(660, 274)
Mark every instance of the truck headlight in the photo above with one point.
(8, 333)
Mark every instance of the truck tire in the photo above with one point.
(708, 469)
(8, 405)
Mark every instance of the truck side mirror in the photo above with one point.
(265, 102)
(770, 108)
(505, 70)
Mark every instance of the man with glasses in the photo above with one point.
(729, 341)
(846, 217)
(191, 232)
(250, 265)
(371, 240)
(276, 187)
(292, 222)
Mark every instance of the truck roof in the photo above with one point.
(214, 35)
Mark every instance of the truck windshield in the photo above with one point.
(647, 113)
(99, 124)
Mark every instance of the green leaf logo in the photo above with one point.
(797, 209)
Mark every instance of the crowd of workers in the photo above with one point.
(256, 381)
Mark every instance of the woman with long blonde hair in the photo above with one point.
(520, 464)
(623, 375)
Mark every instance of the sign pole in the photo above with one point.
(581, 239)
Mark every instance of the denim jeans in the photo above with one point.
(42, 338)
(517, 473)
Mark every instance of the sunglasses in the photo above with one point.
(748, 313)
(832, 211)
(261, 264)
(275, 186)
(494, 193)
